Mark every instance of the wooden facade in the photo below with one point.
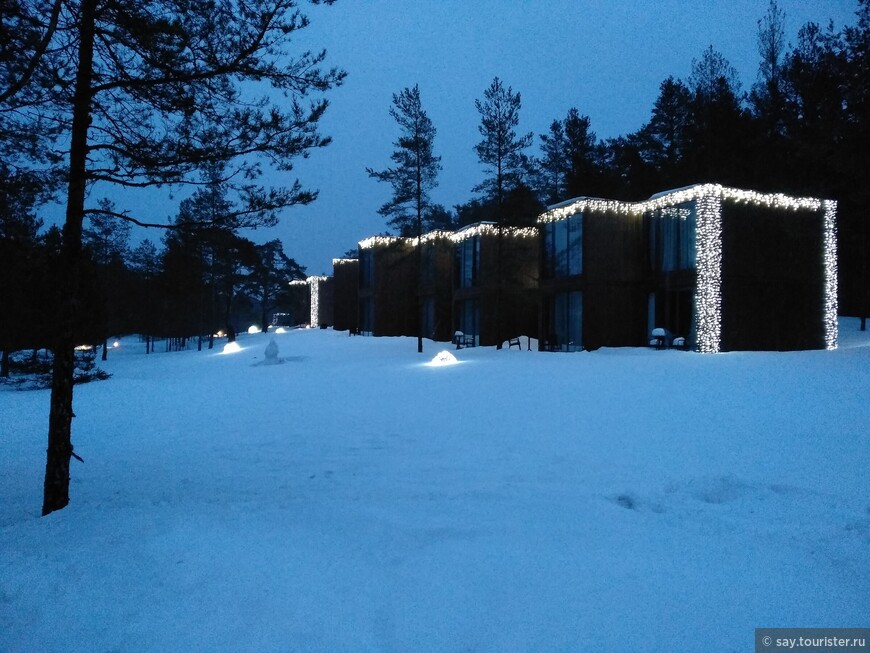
(490, 310)
(387, 283)
(600, 301)
(436, 286)
(772, 280)
(345, 271)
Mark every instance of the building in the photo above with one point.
(723, 268)
(709, 267)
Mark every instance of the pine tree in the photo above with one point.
(501, 151)
(416, 171)
(268, 277)
(415, 174)
(553, 164)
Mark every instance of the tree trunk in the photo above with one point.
(60, 449)
(4, 364)
(263, 315)
(105, 355)
(498, 256)
(231, 331)
(419, 252)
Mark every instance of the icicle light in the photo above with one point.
(709, 199)
(379, 241)
(490, 229)
(343, 261)
(481, 229)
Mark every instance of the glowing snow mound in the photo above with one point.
(444, 358)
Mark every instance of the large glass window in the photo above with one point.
(366, 268)
(366, 316)
(563, 246)
(428, 317)
(672, 238)
(428, 263)
(469, 317)
(468, 262)
(566, 322)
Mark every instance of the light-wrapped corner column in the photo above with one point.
(709, 253)
(831, 306)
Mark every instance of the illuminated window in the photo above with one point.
(366, 268)
(468, 262)
(563, 246)
(672, 238)
(469, 317)
(566, 322)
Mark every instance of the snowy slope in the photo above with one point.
(356, 499)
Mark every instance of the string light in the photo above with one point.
(669, 198)
(709, 260)
(491, 229)
(379, 241)
(314, 283)
(343, 261)
(480, 229)
(831, 306)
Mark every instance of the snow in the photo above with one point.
(358, 498)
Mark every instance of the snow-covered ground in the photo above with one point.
(354, 498)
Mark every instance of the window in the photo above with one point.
(366, 316)
(428, 317)
(428, 263)
(563, 247)
(469, 317)
(566, 322)
(672, 238)
(468, 262)
(366, 268)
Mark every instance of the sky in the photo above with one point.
(607, 59)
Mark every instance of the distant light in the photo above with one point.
(84, 348)
(219, 334)
(231, 348)
(280, 330)
(116, 344)
(253, 329)
(443, 358)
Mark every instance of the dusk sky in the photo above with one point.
(607, 59)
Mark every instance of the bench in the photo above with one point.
(658, 339)
(515, 341)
